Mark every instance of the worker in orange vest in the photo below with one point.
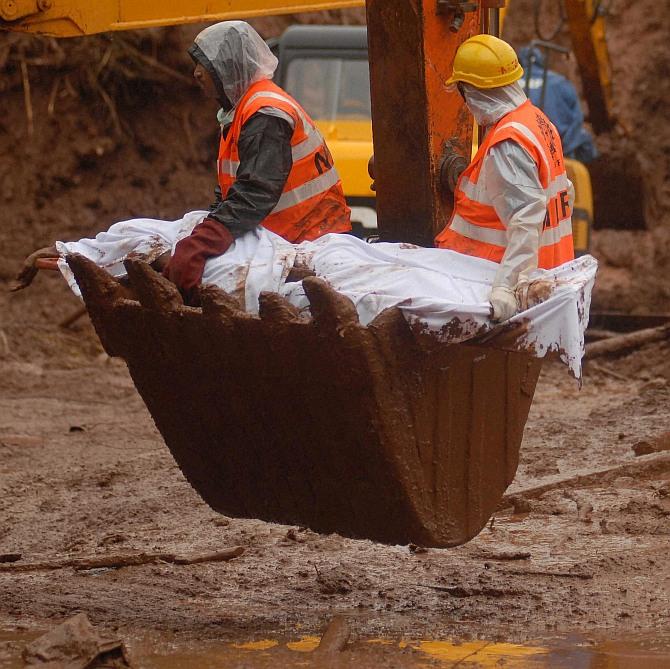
(274, 168)
(513, 201)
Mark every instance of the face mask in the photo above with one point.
(488, 105)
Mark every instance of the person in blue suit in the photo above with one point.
(560, 104)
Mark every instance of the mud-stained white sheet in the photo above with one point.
(442, 292)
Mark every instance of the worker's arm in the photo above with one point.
(514, 187)
(264, 148)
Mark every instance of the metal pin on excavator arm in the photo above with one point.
(368, 431)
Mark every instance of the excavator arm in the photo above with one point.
(71, 18)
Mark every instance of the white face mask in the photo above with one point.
(488, 105)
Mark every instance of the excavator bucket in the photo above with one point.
(371, 432)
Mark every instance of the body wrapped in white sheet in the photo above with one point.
(440, 291)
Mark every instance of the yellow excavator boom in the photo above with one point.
(70, 18)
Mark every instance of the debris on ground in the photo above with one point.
(75, 644)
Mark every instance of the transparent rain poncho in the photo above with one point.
(488, 105)
(512, 184)
(237, 55)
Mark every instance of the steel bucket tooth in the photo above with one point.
(321, 422)
(153, 290)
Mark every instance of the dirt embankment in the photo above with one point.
(92, 131)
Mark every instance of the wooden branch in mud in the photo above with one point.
(217, 556)
(27, 98)
(541, 572)
(627, 341)
(70, 320)
(127, 560)
(648, 464)
(504, 556)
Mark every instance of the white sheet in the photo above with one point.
(443, 292)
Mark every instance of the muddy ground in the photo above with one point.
(85, 473)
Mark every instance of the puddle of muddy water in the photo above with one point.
(154, 651)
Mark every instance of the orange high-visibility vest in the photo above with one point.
(312, 202)
(474, 227)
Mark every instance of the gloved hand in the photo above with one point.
(503, 303)
(185, 268)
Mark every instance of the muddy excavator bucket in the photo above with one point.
(369, 432)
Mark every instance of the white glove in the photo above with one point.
(503, 303)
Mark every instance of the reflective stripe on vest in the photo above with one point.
(528, 134)
(312, 143)
(228, 167)
(548, 237)
(308, 190)
(477, 192)
(314, 139)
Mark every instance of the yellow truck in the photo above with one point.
(326, 69)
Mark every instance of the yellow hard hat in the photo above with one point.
(486, 62)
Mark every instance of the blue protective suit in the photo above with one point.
(561, 105)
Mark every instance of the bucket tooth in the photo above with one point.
(274, 308)
(103, 295)
(153, 290)
(216, 302)
(330, 310)
(97, 286)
